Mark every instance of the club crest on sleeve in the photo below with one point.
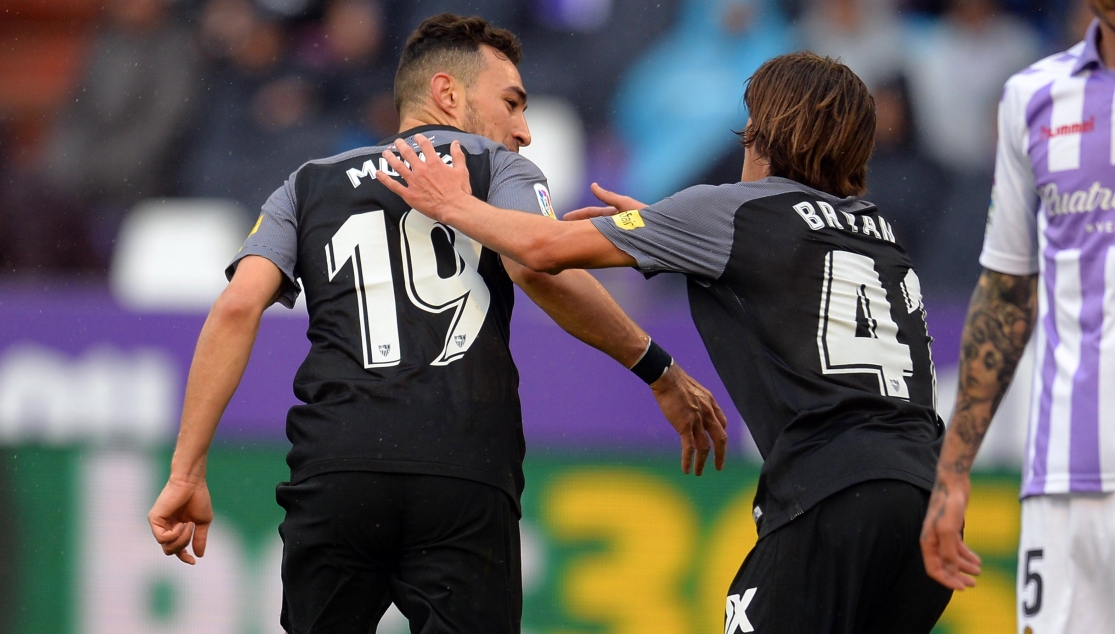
(544, 200)
(628, 220)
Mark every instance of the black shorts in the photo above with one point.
(849, 565)
(444, 550)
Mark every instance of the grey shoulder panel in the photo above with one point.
(690, 232)
(516, 183)
(275, 237)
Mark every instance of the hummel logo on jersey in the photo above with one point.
(735, 617)
(1083, 127)
(459, 340)
(384, 349)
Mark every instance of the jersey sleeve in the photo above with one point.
(275, 237)
(518, 184)
(1010, 244)
(690, 232)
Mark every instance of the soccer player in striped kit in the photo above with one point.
(1050, 267)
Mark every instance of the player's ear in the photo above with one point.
(446, 93)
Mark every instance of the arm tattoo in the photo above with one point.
(1000, 319)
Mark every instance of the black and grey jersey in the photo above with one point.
(409, 369)
(813, 316)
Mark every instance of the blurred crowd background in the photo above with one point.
(106, 103)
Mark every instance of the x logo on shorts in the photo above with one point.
(735, 617)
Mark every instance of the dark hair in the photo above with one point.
(451, 44)
(813, 119)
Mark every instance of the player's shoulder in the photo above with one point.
(474, 144)
(336, 159)
(736, 195)
(1044, 71)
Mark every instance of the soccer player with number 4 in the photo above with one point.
(812, 315)
(1048, 266)
(406, 465)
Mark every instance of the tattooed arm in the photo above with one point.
(1000, 320)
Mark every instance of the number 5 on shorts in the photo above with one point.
(1030, 609)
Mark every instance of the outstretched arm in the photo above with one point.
(540, 244)
(574, 299)
(183, 511)
(1000, 319)
(584, 309)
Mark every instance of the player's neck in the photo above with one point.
(411, 120)
(1106, 45)
(755, 168)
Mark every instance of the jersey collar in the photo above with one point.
(422, 129)
(1091, 54)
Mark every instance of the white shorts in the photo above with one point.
(1066, 564)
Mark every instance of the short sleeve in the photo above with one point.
(690, 232)
(518, 184)
(275, 237)
(1010, 244)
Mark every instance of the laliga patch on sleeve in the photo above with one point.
(544, 200)
(628, 220)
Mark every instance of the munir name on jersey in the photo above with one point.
(866, 225)
(368, 169)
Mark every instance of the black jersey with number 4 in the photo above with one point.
(813, 317)
(409, 369)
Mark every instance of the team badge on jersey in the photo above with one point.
(544, 201)
(628, 220)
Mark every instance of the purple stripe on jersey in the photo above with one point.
(1095, 146)
(1084, 433)
(1039, 113)
(1048, 374)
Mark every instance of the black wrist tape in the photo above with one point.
(653, 364)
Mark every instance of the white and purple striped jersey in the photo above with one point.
(1053, 213)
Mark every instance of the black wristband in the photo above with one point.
(653, 364)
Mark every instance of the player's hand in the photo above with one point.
(181, 514)
(693, 412)
(948, 560)
(432, 187)
(614, 204)
(612, 199)
(584, 213)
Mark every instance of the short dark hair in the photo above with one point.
(814, 120)
(448, 43)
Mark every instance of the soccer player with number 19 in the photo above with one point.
(812, 315)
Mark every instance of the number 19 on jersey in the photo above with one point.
(362, 239)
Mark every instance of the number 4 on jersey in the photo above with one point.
(856, 333)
